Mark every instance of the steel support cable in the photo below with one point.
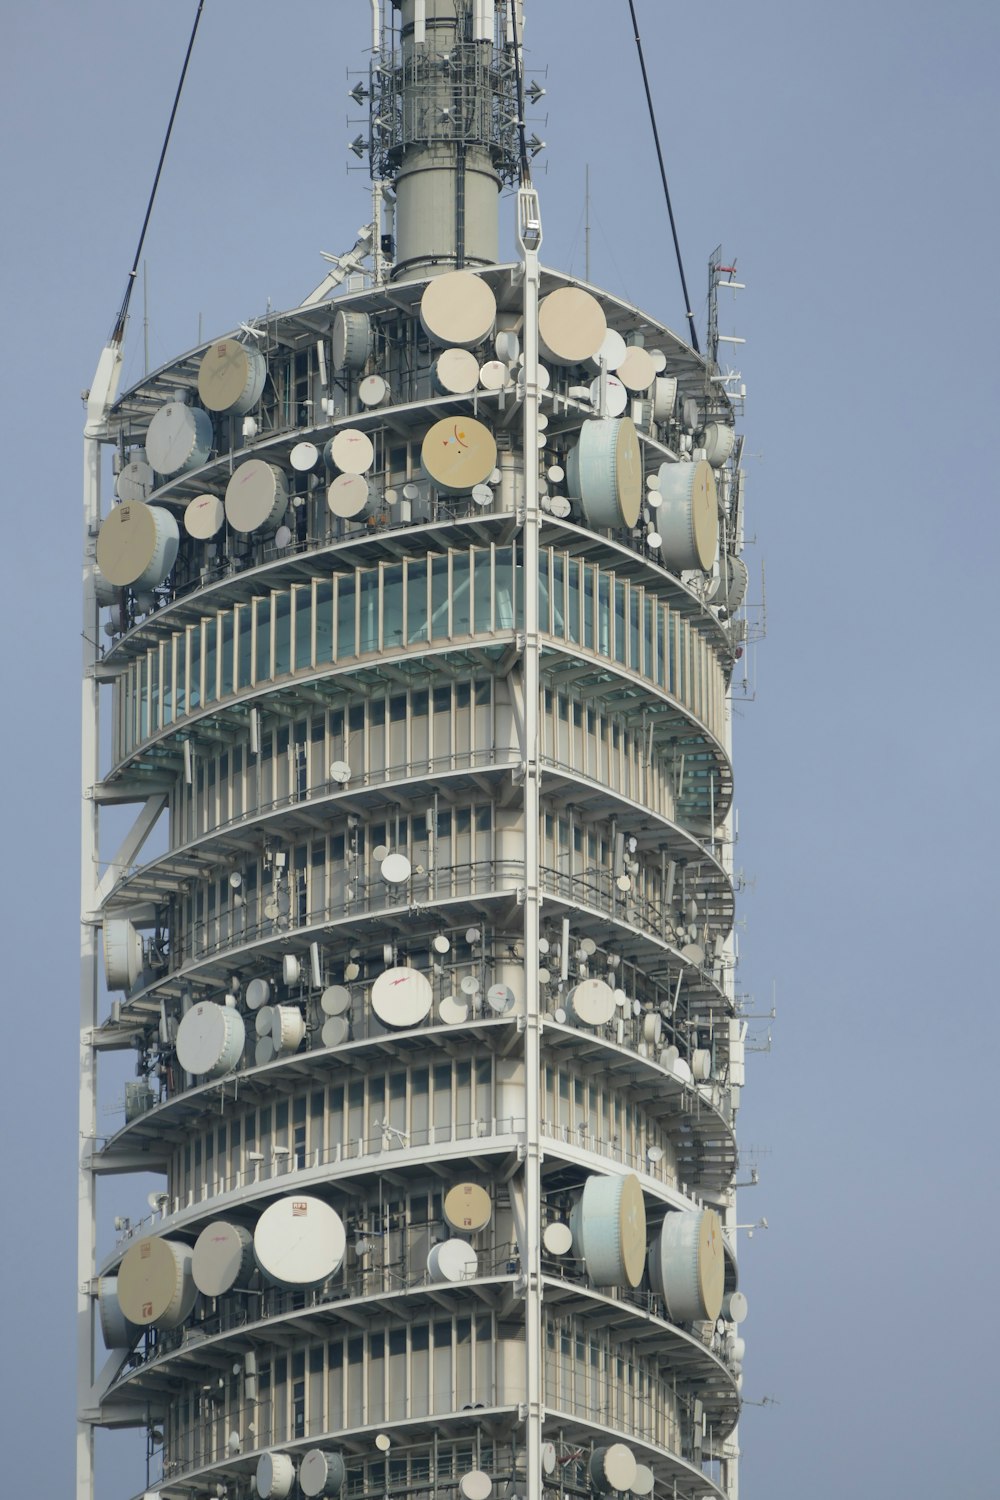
(119, 329)
(663, 178)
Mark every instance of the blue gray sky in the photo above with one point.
(845, 154)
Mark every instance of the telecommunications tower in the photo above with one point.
(410, 617)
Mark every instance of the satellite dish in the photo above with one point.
(291, 969)
(560, 507)
(458, 308)
(456, 372)
(452, 1260)
(644, 1481)
(299, 1241)
(458, 453)
(557, 1238)
(654, 541)
(476, 1485)
(351, 496)
(256, 497)
(210, 1040)
(636, 370)
(179, 438)
(664, 397)
(335, 1000)
(548, 1458)
(543, 945)
(544, 976)
(500, 998)
(372, 391)
(157, 1200)
(467, 1208)
(380, 852)
(204, 517)
(283, 536)
(136, 480)
(351, 970)
(395, 869)
(350, 451)
(383, 1442)
(482, 495)
(624, 883)
(303, 457)
(469, 984)
(401, 997)
(137, 545)
(654, 1154)
(351, 341)
(507, 346)
(571, 325)
(340, 772)
(275, 1476)
(588, 947)
(689, 515)
(288, 1028)
(555, 473)
(494, 375)
(263, 1020)
(473, 935)
(616, 396)
(612, 351)
(453, 1012)
(560, 1015)
(231, 377)
(335, 1031)
(440, 943)
(272, 910)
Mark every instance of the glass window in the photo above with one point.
(416, 601)
(210, 630)
(621, 637)
(574, 570)
(504, 592)
(481, 562)
(460, 594)
(282, 634)
(345, 617)
(368, 633)
(262, 641)
(392, 607)
(440, 623)
(226, 673)
(323, 618)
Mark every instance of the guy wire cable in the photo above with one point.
(663, 177)
(119, 328)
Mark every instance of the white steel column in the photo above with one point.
(101, 395)
(529, 231)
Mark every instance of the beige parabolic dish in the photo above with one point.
(137, 543)
(457, 453)
(458, 308)
(467, 1207)
(204, 517)
(256, 496)
(571, 325)
(231, 376)
(637, 370)
(609, 1230)
(155, 1285)
(688, 518)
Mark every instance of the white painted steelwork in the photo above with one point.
(440, 778)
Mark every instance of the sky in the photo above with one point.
(845, 155)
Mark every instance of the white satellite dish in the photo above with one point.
(383, 1442)
(291, 969)
(557, 1238)
(440, 943)
(452, 1012)
(500, 998)
(303, 457)
(258, 993)
(340, 772)
(401, 997)
(395, 869)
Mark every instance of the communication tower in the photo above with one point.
(410, 623)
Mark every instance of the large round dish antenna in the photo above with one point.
(136, 481)
(321, 1473)
(179, 438)
(231, 377)
(351, 341)
(458, 308)
(467, 1208)
(688, 517)
(401, 997)
(452, 1260)
(256, 497)
(155, 1284)
(275, 1476)
(604, 472)
(222, 1258)
(204, 517)
(299, 1241)
(210, 1040)
(458, 453)
(687, 1265)
(609, 1230)
(571, 325)
(137, 545)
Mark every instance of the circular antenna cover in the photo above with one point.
(467, 1208)
(204, 517)
(401, 997)
(299, 1241)
(458, 453)
(210, 1040)
(557, 1238)
(571, 325)
(155, 1285)
(458, 308)
(351, 451)
(222, 1257)
(688, 520)
(137, 545)
(605, 472)
(612, 1220)
(179, 438)
(256, 497)
(231, 377)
